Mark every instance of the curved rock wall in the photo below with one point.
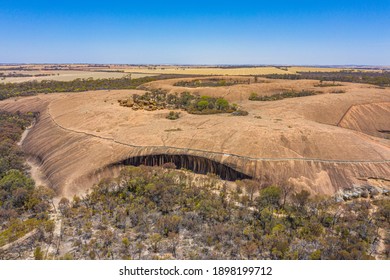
(197, 164)
(372, 119)
(74, 157)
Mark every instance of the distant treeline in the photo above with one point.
(20, 75)
(210, 83)
(381, 79)
(8, 90)
(16, 68)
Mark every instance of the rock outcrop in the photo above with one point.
(81, 137)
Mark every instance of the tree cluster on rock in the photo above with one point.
(282, 95)
(159, 99)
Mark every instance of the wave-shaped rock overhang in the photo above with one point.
(196, 164)
(295, 140)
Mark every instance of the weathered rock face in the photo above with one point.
(372, 119)
(197, 164)
(81, 137)
(363, 190)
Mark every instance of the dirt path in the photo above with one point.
(18, 241)
(35, 171)
(25, 133)
(381, 244)
(40, 180)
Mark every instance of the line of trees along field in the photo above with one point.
(8, 90)
(380, 78)
(216, 82)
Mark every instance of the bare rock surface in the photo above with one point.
(322, 143)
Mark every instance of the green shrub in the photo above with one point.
(269, 197)
(173, 115)
(221, 104)
(253, 96)
(201, 105)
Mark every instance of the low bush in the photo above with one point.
(173, 115)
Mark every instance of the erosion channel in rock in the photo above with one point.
(197, 164)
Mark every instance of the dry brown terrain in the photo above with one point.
(192, 70)
(322, 143)
(60, 75)
(69, 72)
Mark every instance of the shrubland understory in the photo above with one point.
(24, 207)
(162, 213)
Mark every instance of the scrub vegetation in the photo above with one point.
(194, 104)
(279, 96)
(24, 207)
(161, 213)
(211, 83)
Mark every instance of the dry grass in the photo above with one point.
(226, 71)
(67, 75)
(326, 69)
(71, 72)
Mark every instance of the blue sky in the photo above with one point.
(196, 32)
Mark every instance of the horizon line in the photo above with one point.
(196, 64)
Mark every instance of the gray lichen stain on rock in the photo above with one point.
(196, 164)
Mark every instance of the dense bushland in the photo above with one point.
(159, 213)
(23, 206)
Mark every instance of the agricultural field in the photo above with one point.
(225, 70)
(26, 73)
(62, 75)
